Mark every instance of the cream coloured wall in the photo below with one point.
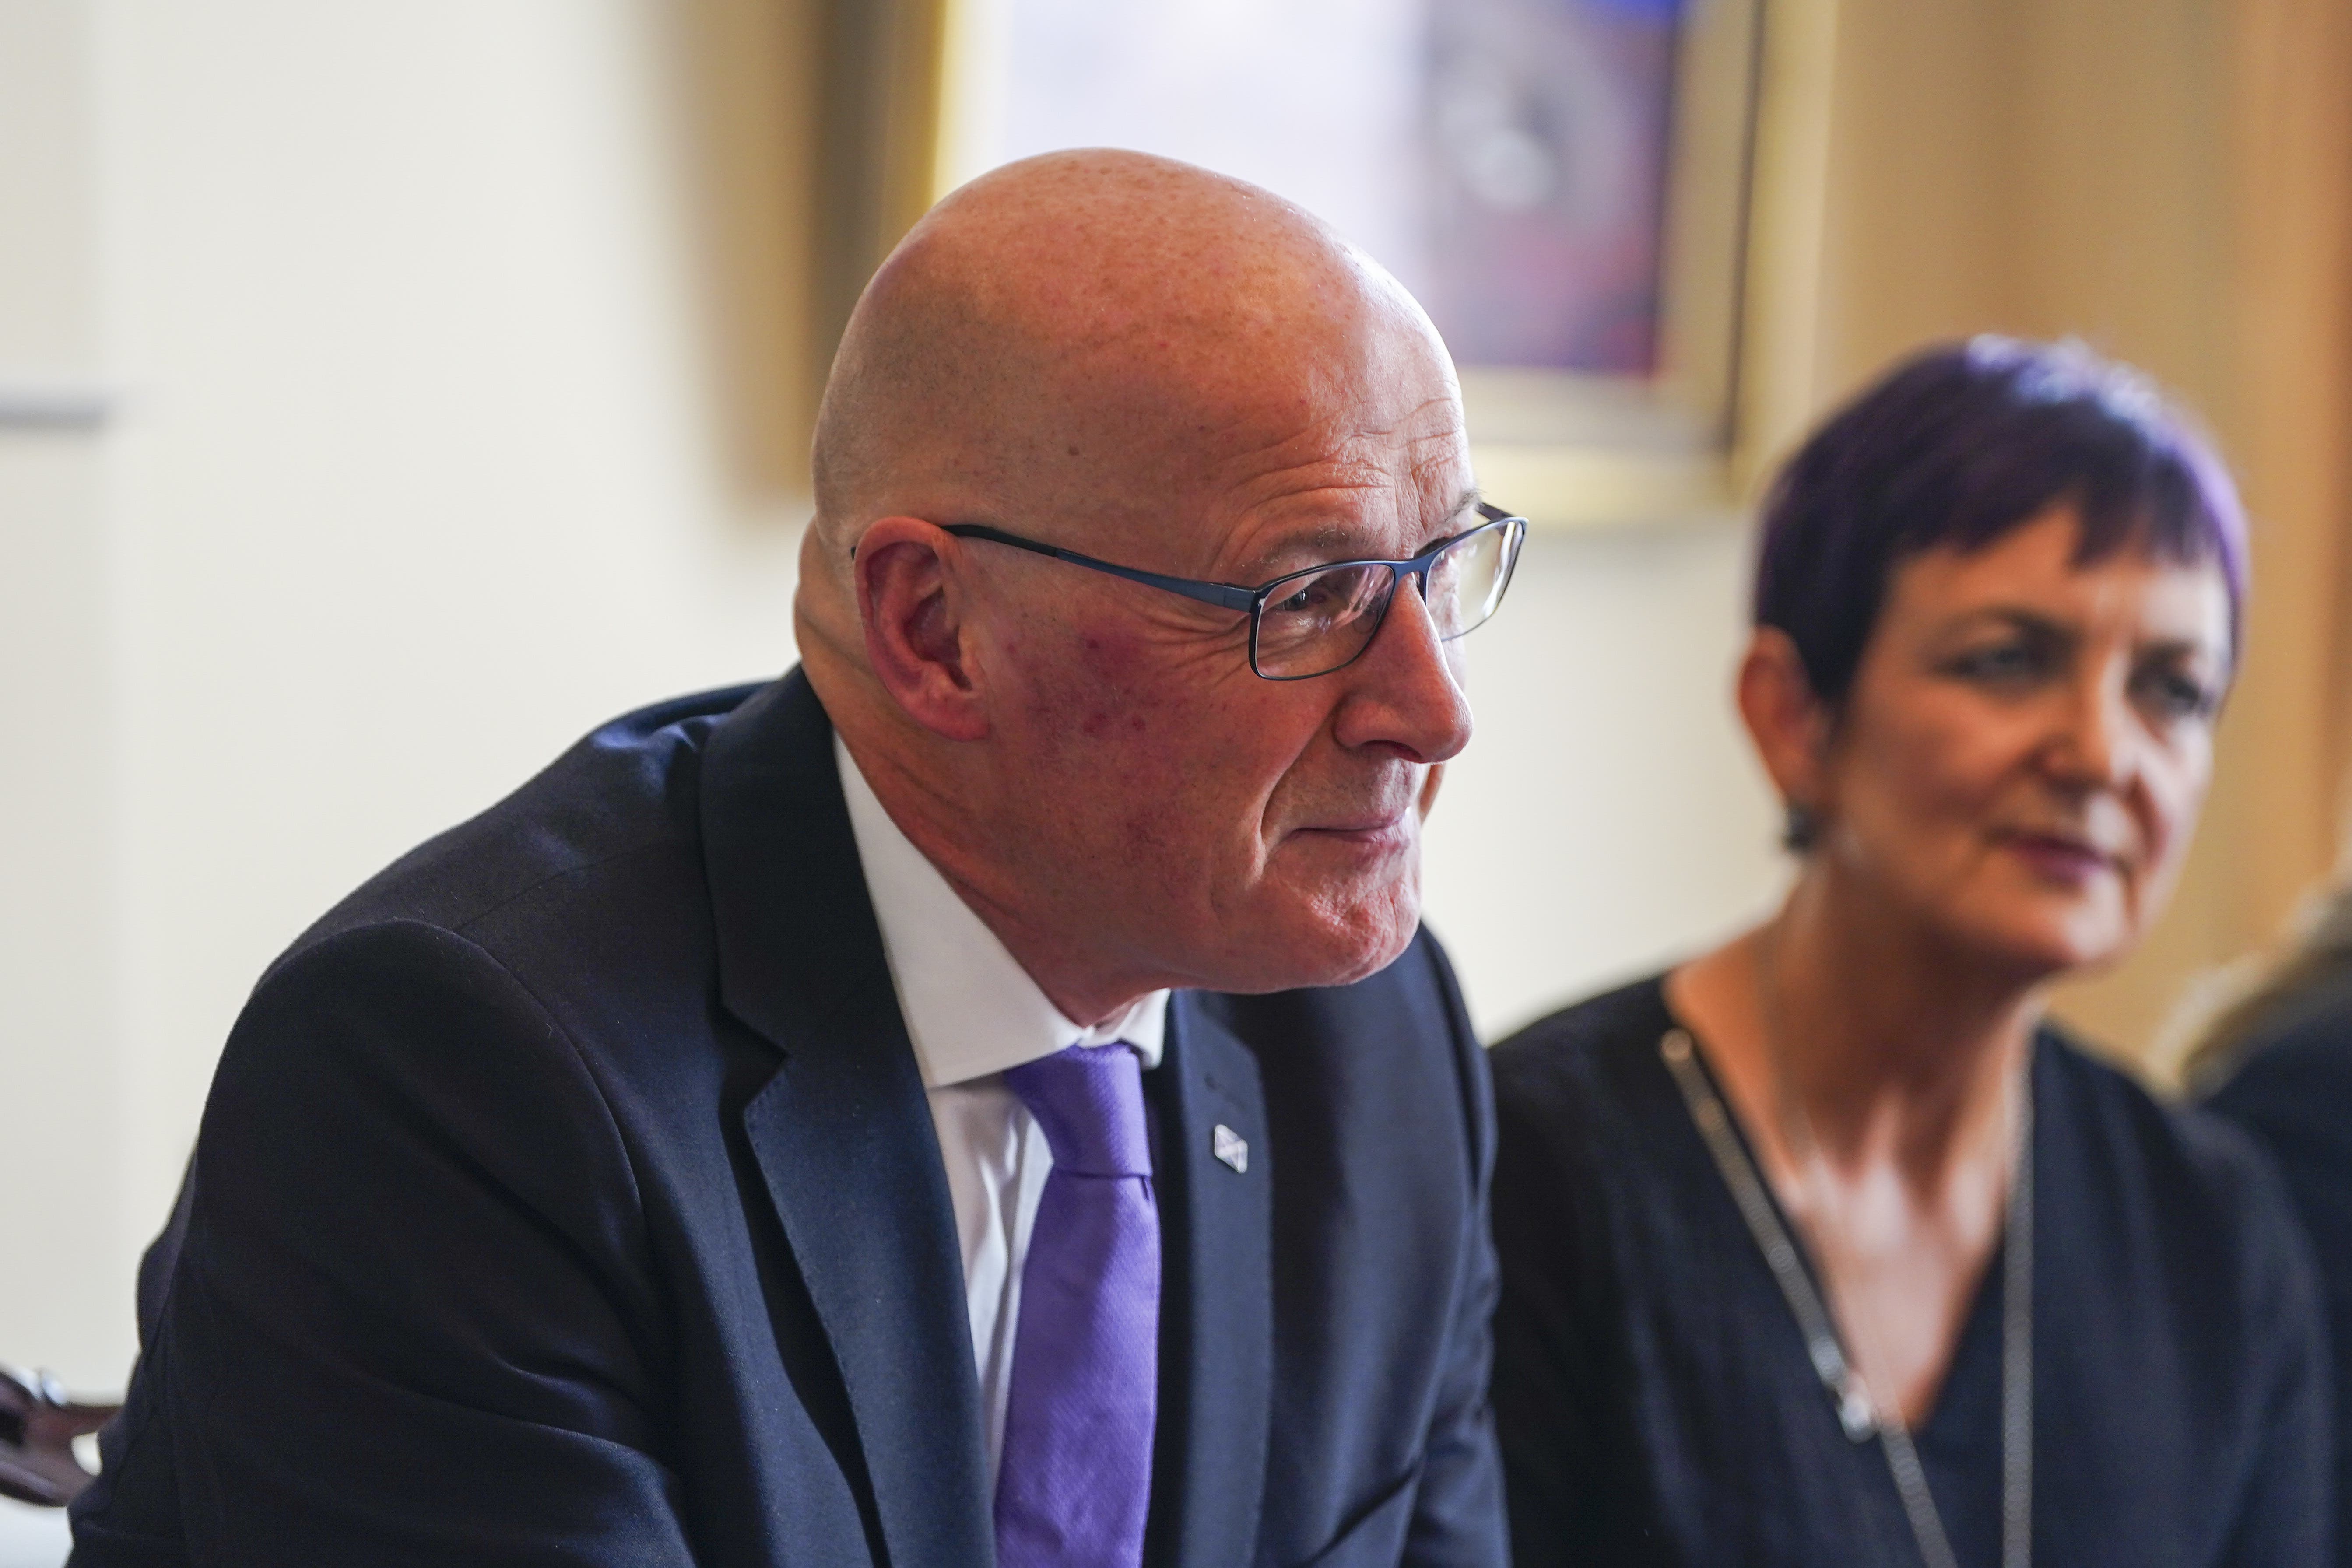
(61, 1150)
(62, 1165)
(416, 475)
(1607, 816)
(421, 475)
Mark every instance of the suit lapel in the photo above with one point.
(1216, 1332)
(843, 1133)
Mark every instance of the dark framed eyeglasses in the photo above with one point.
(1309, 623)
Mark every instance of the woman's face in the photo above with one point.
(2021, 757)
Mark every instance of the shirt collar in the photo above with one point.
(971, 1009)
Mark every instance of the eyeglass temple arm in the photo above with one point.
(1221, 595)
(1225, 595)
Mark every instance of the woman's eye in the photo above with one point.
(2175, 695)
(2002, 662)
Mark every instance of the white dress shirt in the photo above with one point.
(972, 1012)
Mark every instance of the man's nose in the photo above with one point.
(1403, 690)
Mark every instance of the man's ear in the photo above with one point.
(1787, 719)
(912, 605)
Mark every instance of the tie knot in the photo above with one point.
(1089, 1100)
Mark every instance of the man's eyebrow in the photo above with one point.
(1453, 521)
(1339, 541)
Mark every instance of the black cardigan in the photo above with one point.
(1656, 1404)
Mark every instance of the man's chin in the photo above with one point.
(1330, 948)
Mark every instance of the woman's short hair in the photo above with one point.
(1961, 445)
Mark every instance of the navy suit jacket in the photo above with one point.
(569, 1194)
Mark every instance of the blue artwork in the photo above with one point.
(1548, 134)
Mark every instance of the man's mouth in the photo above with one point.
(1381, 813)
(1384, 825)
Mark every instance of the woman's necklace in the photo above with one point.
(1858, 1414)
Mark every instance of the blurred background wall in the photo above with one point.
(421, 385)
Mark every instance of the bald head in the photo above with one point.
(1185, 375)
(1056, 338)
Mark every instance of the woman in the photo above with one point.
(1825, 1248)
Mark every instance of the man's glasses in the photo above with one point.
(1313, 622)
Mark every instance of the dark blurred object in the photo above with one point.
(2279, 1064)
(2314, 977)
(37, 1427)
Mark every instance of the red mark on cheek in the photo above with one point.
(1095, 725)
(1110, 656)
(1105, 688)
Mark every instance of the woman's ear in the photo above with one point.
(911, 606)
(1787, 721)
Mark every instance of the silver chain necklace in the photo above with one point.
(1857, 1413)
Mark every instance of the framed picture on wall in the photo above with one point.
(1561, 183)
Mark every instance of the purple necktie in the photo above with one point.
(1074, 1481)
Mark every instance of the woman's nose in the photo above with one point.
(2094, 745)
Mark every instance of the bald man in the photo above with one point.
(982, 1097)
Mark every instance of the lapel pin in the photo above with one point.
(1230, 1147)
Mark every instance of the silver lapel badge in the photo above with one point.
(1230, 1147)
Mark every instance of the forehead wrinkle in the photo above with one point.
(1326, 541)
(1300, 472)
(1446, 408)
(1252, 442)
(1331, 534)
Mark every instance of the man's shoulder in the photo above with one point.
(628, 789)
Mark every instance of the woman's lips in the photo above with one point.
(2060, 857)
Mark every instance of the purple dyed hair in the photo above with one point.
(1958, 447)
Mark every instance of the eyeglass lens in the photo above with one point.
(1319, 621)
